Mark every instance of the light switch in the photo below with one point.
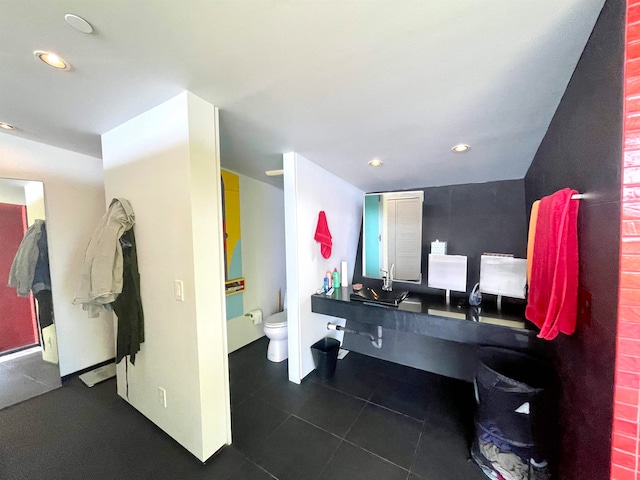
(179, 290)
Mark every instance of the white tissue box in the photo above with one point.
(438, 248)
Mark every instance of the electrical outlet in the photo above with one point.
(162, 397)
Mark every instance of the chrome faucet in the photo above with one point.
(387, 278)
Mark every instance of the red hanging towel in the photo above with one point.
(553, 290)
(323, 235)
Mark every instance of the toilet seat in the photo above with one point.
(277, 320)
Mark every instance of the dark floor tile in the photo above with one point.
(249, 471)
(76, 432)
(249, 354)
(353, 463)
(331, 410)
(406, 374)
(224, 462)
(402, 397)
(452, 409)
(252, 422)
(242, 387)
(386, 433)
(249, 371)
(349, 379)
(285, 395)
(296, 450)
(444, 454)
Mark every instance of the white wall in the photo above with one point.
(34, 200)
(263, 257)
(74, 203)
(166, 163)
(12, 194)
(309, 189)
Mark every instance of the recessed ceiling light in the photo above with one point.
(78, 23)
(52, 60)
(461, 147)
(376, 162)
(7, 126)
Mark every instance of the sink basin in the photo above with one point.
(380, 297)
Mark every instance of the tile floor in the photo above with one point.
(372, 420)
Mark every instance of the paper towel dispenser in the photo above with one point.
(505, 276)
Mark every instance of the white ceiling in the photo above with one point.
(340, 82)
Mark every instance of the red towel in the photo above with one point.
(553, 290)
(323, 235)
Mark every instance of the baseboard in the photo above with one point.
(88, 369)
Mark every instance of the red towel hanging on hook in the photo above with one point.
(323, 235)
(553, 289)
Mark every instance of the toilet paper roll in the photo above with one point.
(343, 274)
(255, 316)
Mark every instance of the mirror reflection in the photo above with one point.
(392, 235)
(28, 345)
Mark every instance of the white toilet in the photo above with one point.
(275, 327)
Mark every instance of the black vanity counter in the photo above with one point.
(429, 315)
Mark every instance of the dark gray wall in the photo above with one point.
(583, 150)
(473, 218)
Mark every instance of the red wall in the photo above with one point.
(626, 436)
(17, 321)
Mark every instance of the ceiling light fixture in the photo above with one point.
(274, 173)
(52, 59)
(376, 162)
(7, 126)
(461, 147)
(78, 23)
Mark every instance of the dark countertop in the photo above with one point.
(430, 316)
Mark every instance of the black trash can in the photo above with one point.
(514, 417)
(325, 356)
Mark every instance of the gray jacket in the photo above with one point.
(24, 263)
(101, 276)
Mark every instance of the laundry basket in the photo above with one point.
(514, 416)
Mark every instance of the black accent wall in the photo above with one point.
(582, 149)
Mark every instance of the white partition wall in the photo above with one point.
(308, 189)
(166, 163)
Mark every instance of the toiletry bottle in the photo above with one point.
(326, 285)
(335, 278)
(329, 280)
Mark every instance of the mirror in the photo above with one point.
(28, 344)
(392, 235)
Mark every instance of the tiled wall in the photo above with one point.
(626, 435)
